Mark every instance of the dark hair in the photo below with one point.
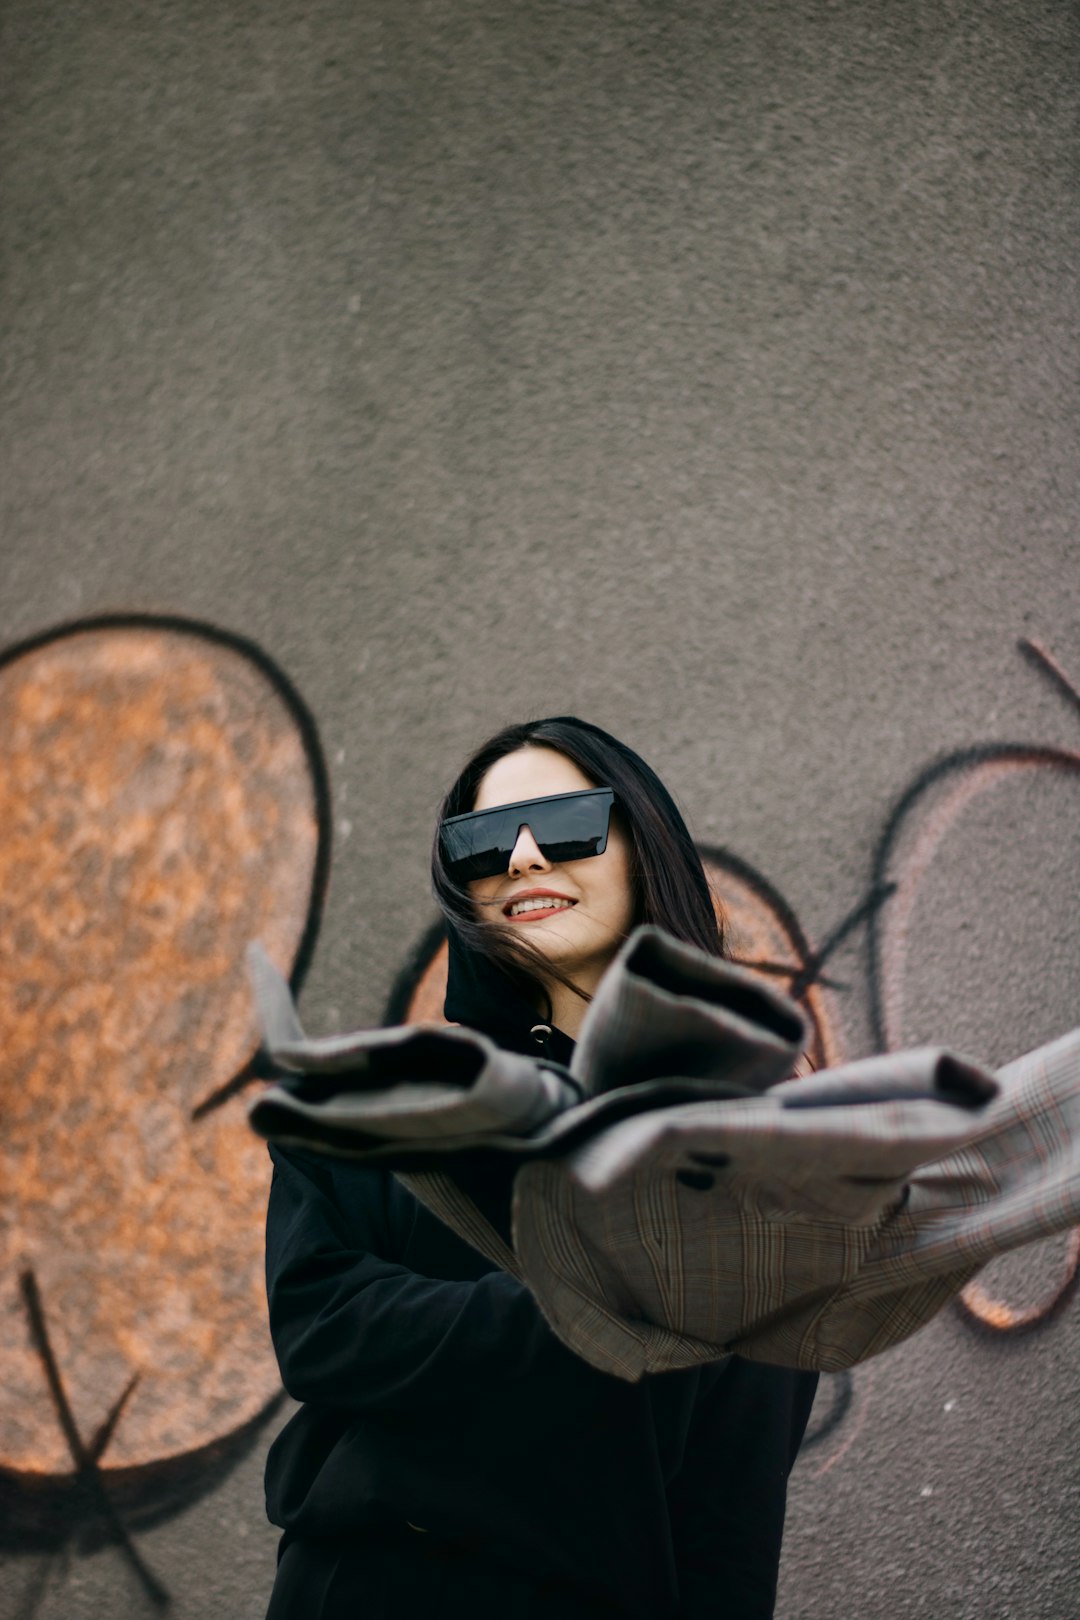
(669, 883)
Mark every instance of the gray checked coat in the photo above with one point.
(677, 1197)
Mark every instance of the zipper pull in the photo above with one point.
(541, 1034)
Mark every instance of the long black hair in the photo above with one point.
(669, 883)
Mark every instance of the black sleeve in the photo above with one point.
(729, 1498)
(354, 1330)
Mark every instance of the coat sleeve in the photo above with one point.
(354, 1330)
(729, 1498)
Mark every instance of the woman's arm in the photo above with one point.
(354, 1330)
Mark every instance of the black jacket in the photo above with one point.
(435, 1393)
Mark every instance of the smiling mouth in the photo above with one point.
(535, 909)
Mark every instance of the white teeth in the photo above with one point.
(538, 903)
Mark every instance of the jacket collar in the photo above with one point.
(480, 995)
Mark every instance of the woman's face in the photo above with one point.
(580, 938)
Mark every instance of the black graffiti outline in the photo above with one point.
(841, 1387)
(87, 1457)
(956, 762)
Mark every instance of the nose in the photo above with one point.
(526, 855)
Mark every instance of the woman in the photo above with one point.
(451, 1455)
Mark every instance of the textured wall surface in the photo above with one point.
(706, 370)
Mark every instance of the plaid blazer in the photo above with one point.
(676, 1198)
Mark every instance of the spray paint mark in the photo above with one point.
(86, 1458)
(857, 1410)
(831, 1406)
(983, 1308)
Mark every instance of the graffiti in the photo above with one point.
(846, 1405)
(978, 1304)
(833, 1403)
(164, 799)
(87, 1478)
(910, 839)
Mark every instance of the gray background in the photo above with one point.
(708, 370)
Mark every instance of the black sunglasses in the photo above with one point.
(566, 826)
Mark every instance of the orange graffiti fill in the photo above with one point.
(157, 813)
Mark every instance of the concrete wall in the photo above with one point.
(709, 371)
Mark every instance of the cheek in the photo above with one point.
(620, 890)
(479, 892)
(629, 903)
